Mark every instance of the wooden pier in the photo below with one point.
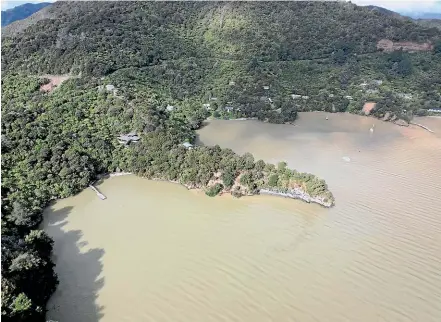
(99, 194)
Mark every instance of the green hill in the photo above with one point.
(195, 49)
(160, 69)
(21, 12)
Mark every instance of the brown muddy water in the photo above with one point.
(154, 251)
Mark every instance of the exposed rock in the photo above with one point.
(298, 193)
(401, 122)
(386, 116)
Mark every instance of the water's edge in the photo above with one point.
(295, 193)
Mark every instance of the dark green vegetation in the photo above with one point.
(244, 59)
(21, 12)
(229, 51)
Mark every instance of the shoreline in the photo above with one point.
(295, 193)
(298, 194)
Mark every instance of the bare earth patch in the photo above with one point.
(368, 107)
(55, 81)
(389, 46)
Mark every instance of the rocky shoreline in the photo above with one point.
(295, 193)
(298, 194)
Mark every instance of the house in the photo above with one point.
(229, 108)
(108, 88)
(305, 97)
(435, 110)
(331, 95)
(206, 106)
(213, 98)
(128, 138)
(270, 99)
(187, 145)
(348, 97)
(295, 96)
(266, 87)
(170, 108)
(232, 83)
(364, 84)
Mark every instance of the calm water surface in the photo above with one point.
(154, 251)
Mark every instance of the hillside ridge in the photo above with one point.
(21, 12)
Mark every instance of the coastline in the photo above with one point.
(295, 193)
(298, 194)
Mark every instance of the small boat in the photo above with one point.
(327, 118)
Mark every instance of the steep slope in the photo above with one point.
(384, 11)
(429, 23)
(124, 36)
(21, 12)
(208, 45)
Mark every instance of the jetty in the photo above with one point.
(422, 126)
(99, 194)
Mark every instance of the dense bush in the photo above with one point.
(244, 59)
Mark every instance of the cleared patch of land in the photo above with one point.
(54, 82)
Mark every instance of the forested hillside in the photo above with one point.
(160, 69)
(21, 12)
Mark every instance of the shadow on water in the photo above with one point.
(78, 268)
(198, 141)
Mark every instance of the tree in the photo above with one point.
(246, 162)
(339, 57)
(260, 165)
(25, 262)
(228, 178)
(22, 216)
(437, 47)
(246, 179)
(214, 190)
(281, 166)
(21, 307)
(40, 242)
(273, 180)
(404, 66)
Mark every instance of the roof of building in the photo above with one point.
(132, 136)
(187, 145)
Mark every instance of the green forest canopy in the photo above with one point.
(244, 59)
